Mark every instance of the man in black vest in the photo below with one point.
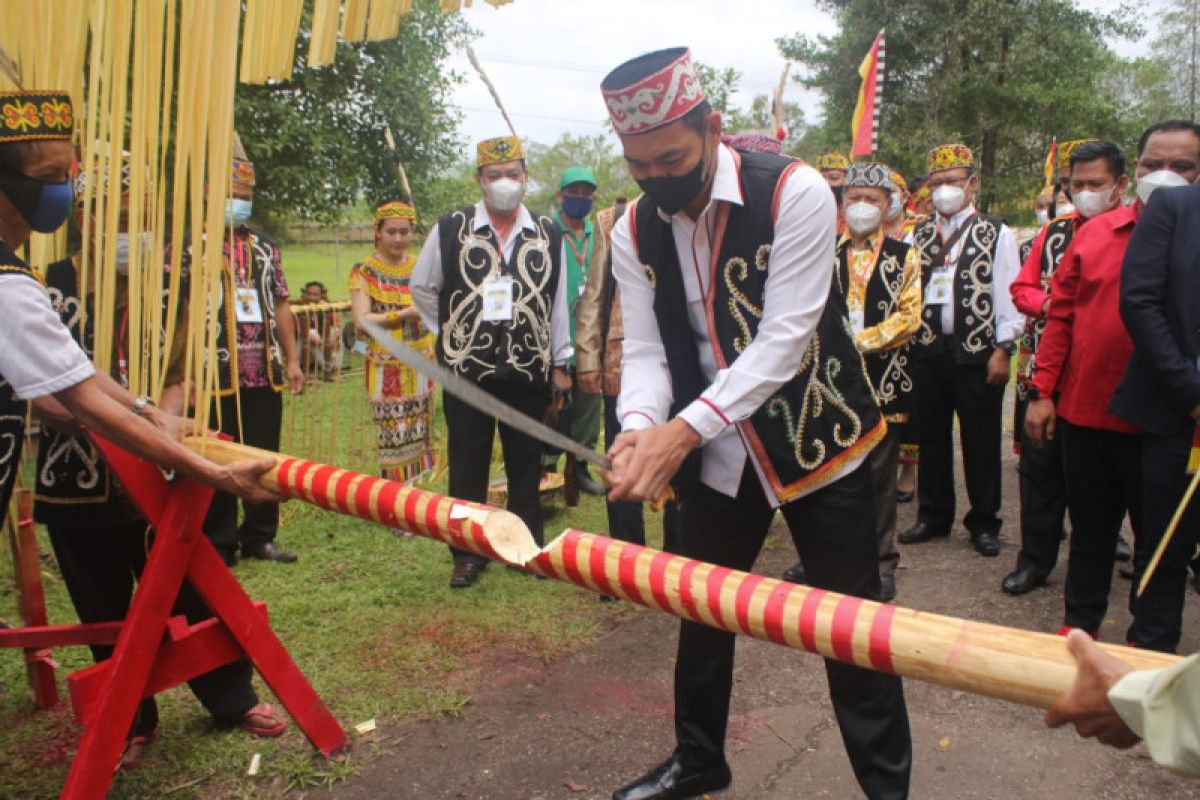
(968, 333)
(742, 384)
(256, 361)
(490, 281)
(880, 278)
(99, 537)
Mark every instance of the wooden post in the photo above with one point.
(27, 569)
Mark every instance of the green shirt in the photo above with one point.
(579, 257)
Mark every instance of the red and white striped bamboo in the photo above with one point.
(1008, 663)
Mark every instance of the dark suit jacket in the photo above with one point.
(1160, 305)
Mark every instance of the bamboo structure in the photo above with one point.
(1021, 666)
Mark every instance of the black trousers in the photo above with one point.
(625, 517)
(101, 555)
(946, 389)
(1104, 483)
(834, 532)
(469, 435)
(1158, 613)
(262, 420)
(884, 461)
(1043, 488)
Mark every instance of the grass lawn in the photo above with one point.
(367, 616)
(328, 263)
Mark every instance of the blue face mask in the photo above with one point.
(45, 206)
(237, 211)
(576, 207)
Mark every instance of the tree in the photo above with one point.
(547, 162)
(317, 140)
(1002, 75)
(1178, 55)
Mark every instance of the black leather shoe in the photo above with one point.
(1124, 551)
(672, 781)
(589, 485)
(1022, 581)
(905, 497)
(887, 587)
(465, 574)
(795, 573)
(269, 552)
(922, 532)
(986, 543)
(228, 556)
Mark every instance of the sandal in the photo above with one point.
(262, 721)
(135, 750)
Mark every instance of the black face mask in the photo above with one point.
(837, 194)
(671, 193)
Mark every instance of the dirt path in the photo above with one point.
(582, 726)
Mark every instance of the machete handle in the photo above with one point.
(667, 495)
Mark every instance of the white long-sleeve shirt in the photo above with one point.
(427, 280)
(38, 357)
(1163, 707)
(1009, 323)
(799, 272)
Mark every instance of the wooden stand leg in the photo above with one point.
(39, 663)
(129, 668)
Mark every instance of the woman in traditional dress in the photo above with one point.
(401, 398)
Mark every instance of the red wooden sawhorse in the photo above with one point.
(154, 651)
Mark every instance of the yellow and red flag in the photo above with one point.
(864, 130)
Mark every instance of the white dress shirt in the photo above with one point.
(800, 269)
(38, 357)
(428, 279)
(1009, 323)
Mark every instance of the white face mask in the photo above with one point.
(1043, 216)
(863, 217)
(123, 242)
(897, 206)
(504, 195)
(1062, 209)
(1092, 204)
(1162, 179)
(949, 200)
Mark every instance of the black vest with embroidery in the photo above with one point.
(889, 369)
(261, 277)
(12, 410)
(1059, 233)
(974, 305)
(824, 416)
(70, 470)
(515, 350)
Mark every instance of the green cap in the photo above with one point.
(577, 175)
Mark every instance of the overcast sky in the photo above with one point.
(547, 57)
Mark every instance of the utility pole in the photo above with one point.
(1192, 63)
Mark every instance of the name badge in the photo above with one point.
(856, 320)
(940, 287)
(498, 299)
(247, 307)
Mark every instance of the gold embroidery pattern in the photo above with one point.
(737, 270)
(650, 276)
(820, 397)
(925, 237)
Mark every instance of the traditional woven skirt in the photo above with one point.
(402, 407)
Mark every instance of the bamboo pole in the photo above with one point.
(1021, 666)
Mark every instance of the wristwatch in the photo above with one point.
(139, 404)
(1032, 393)
(1009, 347)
